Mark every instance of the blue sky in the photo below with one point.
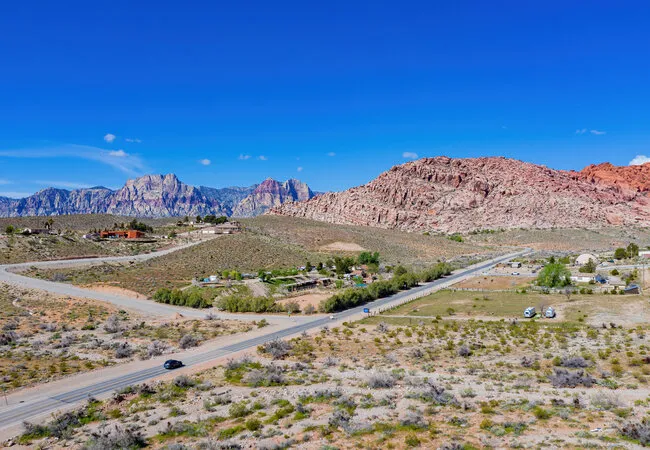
(229, 93)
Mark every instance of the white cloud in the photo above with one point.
(262, 158)
(331, 154)
(581, 131)
(244, 157)
(639, 159)
(299, 169)
(410, 155)
(12, 194)
(63, 184)
(205, 162)
(122, 161)
(4, 182)
(133, 140)
(598, 132)
(109, 137)
(594, 132)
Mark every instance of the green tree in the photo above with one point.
(308, 267)
(589, 267)
(343, 265)
(554, 275)
(10, 229)
(632, 250)
(368, 258)
(399, 271)
(620, 253)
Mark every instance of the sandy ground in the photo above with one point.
(342, 247)
(313, 299)
(488, 282)
(112, 289)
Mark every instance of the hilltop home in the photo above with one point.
(121, 234)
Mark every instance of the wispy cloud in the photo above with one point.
(63, 184)
(639, 159)
(594, 132)
(120, 160)
(118, 153)
(299, 169)
(109, 137)
(262, 158)
(4, 182)
(410, 155)
(244, 157)
(205, 162)
(133, 140)
(13, 194)
(331, 154)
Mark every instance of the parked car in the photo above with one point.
(332, 317)
(172, 364)
(550, 313)
(530, 312)
(515, 273)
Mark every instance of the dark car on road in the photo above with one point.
(172, 364)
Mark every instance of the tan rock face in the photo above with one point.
(478, 193)
(271, 193)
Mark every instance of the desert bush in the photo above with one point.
(218, 445)
(49, 327)
(238, 410)
(340, 418)
(574, 362)
(123, 350)
(183, 381)
(156, 348)
(414, 419)
(271, 375)
(565, 378)
(10, 325)
(112, 437)
(211, 316)
(10, 337)
(188, 341)
(309, 309)
(277, 348)
(330, 361)
(292, 307)
(464, 351)
(605, 400)
(382, 327)
(638, 431)
(112, 324)
(431, 392)
(451, 446)
(380, 380)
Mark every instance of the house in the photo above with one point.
(645, 254)
(600, 279)
(222, 228)
(121, 234)
(632, 289)
(515, 265)
(582, 278)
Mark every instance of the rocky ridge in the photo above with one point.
(445, 194)
(155, 196)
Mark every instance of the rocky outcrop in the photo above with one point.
(271, 193)
(154, 196)
(628, 180)
(479, 193)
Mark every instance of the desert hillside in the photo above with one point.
(445, 194)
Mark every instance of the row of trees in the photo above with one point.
(359, 296)
(191, 298)
(248, 303)
(631, 251)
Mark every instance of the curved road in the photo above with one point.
(43, 403)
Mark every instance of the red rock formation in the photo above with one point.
(478, 193)
(627, 179)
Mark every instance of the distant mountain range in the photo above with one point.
(450, 195)
(159, 196)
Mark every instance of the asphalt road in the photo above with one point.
(14, 414)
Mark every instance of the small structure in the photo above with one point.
(222, 228)
(600, 279)
(584, 259)
(582, 278)
(644, 254)
(632, 289)
(30, 231)
(515, 265)
(530, 312)
(549, 313)
(121, 234)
